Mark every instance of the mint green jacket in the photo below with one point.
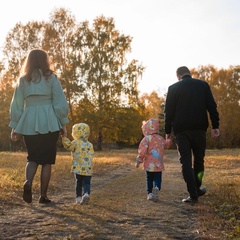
(38, 106)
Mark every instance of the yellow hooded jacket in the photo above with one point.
(81, 149)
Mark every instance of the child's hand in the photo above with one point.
(137, 164)
(138, 161)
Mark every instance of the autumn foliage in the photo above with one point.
(101, 82)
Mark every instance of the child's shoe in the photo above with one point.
(150, 196)
(85, 198)
(155, 193)
(78, 200)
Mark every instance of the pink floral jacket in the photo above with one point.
(151, 148)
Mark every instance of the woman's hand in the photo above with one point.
(14, 136)
(63, 131)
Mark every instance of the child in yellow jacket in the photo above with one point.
(82, 157)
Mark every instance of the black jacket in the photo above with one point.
(187, 106)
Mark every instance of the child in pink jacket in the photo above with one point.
(150, 153)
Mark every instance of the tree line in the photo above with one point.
(101, 83)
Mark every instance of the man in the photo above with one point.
(188, 104)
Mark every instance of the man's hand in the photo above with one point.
(215, 133)
(168, 136)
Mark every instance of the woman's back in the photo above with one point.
(38, 106)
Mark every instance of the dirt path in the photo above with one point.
(118, 210)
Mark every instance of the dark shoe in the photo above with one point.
(190, 200)
(44, 200)
(27, 192)
(201, 191)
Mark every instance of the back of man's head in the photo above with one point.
(182, 71)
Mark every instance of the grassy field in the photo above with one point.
(222, 176)
(221, 208)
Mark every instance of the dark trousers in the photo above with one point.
(192, 143)
(153, 178)
(82, 183)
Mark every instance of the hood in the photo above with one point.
(80, 131)
(150, 127)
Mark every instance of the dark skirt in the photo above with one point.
(42, 148)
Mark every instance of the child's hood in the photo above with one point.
(150, 127)
(80, 131)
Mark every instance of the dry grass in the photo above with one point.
(222, 177)
(120, 210)
(12, 171)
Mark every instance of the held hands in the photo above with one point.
(215, 133)
(168, 136)
(168, 143)
(63, 131)
(168, 140)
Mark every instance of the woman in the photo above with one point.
(39, 112)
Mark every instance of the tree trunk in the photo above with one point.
(99, 141)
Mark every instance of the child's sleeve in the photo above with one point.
(68, 145)
(91, 150)
(142, 150)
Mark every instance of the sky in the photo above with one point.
(166, 34)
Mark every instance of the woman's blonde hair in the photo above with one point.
(36, 60)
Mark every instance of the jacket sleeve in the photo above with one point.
(16, 107)
(91, 151)
(68, 145)
(212, 108)
(142, 150)
(60, 104)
